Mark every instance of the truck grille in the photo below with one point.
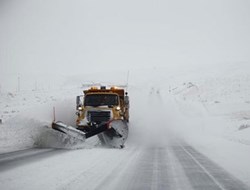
(98, 116)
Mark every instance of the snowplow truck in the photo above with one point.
(103, 112)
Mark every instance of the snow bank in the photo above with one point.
(28, 125)
(216, 107)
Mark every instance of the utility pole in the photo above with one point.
(18, 81)
(127, 80)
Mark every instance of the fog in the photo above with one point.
(44, 40)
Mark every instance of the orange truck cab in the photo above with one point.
(99, 105)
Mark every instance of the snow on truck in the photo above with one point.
(103, 112)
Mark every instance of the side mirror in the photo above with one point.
(79, 101)
(126, 100)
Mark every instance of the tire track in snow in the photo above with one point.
(148, 171)
(203, 173)
(16, 159)
(151, 171)
(102, 171)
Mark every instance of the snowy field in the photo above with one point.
(206, 108)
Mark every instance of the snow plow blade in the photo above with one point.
(69, 130)
(117, 134)
(113, 133)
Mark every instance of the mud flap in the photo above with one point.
(69, 130)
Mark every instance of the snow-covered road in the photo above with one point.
(174, 166)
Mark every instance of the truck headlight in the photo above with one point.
(118, 108)
(80, 108)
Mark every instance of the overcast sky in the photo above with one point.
(77, 36)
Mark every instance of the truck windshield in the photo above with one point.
(101, 100)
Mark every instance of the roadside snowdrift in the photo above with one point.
(217, 108)
(28, 125)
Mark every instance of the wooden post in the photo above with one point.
(54, 114)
